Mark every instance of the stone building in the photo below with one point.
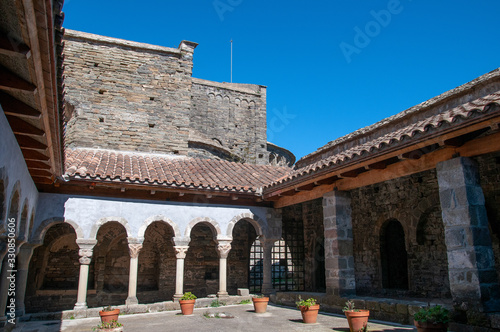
(126, 181)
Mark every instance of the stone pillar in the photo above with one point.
(267, 247)
(85, 252)
(339, 259)
(4, 290)
(471, 264)
(180, 255)
(134, 248)
(223, 248)
(23, 262)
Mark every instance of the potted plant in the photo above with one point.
(112, 326)
(109, 314)
(433, 319)
(357, 318)
(187, 303)
(309, 310)
(260, 303)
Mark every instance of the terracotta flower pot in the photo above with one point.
(260, 304)
(108, 316)
(357, 320)
(187, 306)
(309, 314)
(430, 327)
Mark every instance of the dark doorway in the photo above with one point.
(393, 254)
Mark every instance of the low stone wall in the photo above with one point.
(391, 310)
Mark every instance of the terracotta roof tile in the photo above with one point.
(327, 157)
(172, 171)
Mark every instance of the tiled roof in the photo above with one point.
(170, 171)
(342, 152)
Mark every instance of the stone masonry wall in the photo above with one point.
(132, 98)
(414, 202)
(233, 116)
(489, 172)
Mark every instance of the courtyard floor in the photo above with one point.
(277, 318)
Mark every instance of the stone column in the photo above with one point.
(23, 262)
(339, 259)
(267, 247)
(134, 248)
(180, 255)
(471, 264)
(85, 252)
(4, 290)
(223, 248)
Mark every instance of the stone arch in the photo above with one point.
(39, 234)
(3, 200)
(99, 223)
(400, 217)
(209, 221)
(14, 203)
(157, 263)
(32, 223)
(394, 256)
(54, 270)
(150, 220)
(23, 222)
(254, 220)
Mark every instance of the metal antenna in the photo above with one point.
(231, 61)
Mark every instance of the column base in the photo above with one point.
(268, 289)
(222, 294)
(177, 297)
(80, 306)
(131, 300)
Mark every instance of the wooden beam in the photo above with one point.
(10, 81)
(11, 47)
(26, 142)
(480, 146)
(379, 165)
(306, 187)
(40, 172)
(34, 164)
(34, 155)
(19, 126)
(12, 106)
(42, 180)
(390, 156)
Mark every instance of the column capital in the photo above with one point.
(85, 256)
(86, 243)
(134, 249)
(223, 247)
(180, 251)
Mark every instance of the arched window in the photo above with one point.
(393, 256)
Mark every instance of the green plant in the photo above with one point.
(217, 303)
(107, 308)
(188, 296)
(109, 325)
(349, 306)
(305, 303)
(434, 315)
(245, 302)
(259, 296)
(72, 317)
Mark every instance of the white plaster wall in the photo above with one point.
(15, 174)
(87, 214)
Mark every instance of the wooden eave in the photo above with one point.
(29, 85)
(472, 138)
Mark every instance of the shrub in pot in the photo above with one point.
(187, 302)
(309, 310)
(112, 326)
(260, 303)
(109, 314)
(357, 318)
(432, 319)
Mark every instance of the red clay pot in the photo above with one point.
(108, 316)
(430, 327)
(309, 315)
(260, 304)
(357, 320)
(187, 306)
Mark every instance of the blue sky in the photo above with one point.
(330, 67)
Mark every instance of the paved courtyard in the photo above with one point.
(277, 318)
